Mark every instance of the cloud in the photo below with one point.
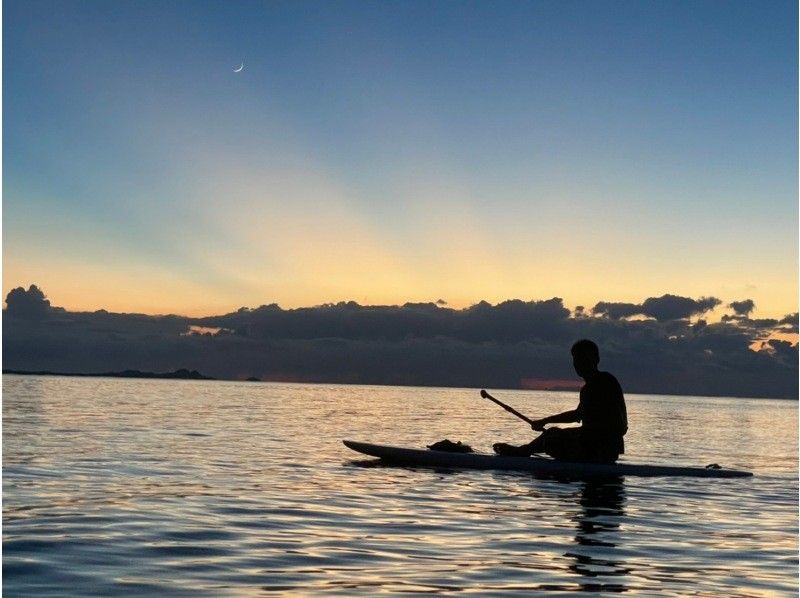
(742, 308)
(664, 308)
(755, 324)
(783, 350)
(673, 307)
(27, 304)
(498, 346)
(615, 311)
(760, 323)
(790, 320)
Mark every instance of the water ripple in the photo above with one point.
(165, 488)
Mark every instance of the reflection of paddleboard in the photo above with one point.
(428, 458)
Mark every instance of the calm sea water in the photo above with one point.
(177, 487)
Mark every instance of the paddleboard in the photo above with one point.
(429, 458)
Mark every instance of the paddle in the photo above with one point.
(486, 395)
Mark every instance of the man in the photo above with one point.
(601, 411)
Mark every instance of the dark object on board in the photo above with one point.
(449, 446)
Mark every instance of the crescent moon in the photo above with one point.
(239, 68)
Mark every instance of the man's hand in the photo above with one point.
(539, 424)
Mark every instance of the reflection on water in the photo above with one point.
(602, 508)
(184, 487)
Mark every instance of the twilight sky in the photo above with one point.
(399, 151)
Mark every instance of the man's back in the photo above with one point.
(603, 414)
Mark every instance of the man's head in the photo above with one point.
(585, 357)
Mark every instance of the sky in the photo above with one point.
(386, 152)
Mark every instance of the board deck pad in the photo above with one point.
(429, 458)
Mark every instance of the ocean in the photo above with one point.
(164, 487)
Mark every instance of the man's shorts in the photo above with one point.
(567, 444)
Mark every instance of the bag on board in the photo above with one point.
(448, 446)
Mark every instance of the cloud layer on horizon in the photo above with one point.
(662, 345)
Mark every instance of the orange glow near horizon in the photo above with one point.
(120, 293)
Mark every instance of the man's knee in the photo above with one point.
(551, 433)
(563, 444)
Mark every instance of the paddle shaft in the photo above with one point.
(506, 407)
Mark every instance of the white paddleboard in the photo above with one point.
(429, 458)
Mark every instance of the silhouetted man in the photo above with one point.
(601, 411)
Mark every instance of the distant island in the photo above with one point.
(182, 374)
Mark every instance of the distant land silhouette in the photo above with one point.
(663, 345)
(181, 374)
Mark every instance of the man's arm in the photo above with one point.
(536, 446)
(560, 418)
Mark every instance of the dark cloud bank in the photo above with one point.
(659, 346)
